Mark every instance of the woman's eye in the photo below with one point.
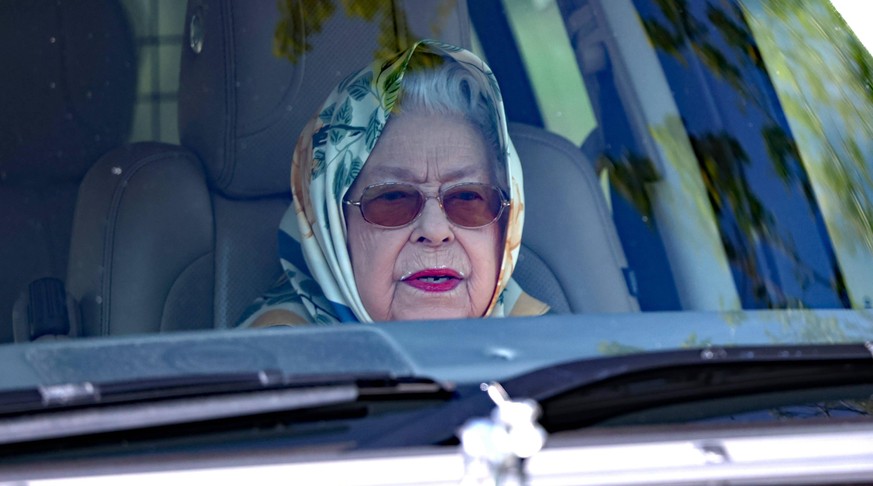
(392, 196)
(466, 196)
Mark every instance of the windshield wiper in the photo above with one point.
(591, 391)
(90, 408)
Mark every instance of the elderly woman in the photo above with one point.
(407, 200)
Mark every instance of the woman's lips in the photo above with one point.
(434, 280)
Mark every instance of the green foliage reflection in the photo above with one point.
(721, 41)
(301, 19)
(824, 80)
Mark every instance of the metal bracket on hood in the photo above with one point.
(495, 448)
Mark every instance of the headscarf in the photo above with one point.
(330, 153)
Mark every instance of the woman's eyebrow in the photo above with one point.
(462, 173)
(402, 173)
(394, 172)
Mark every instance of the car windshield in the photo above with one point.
(698, 174)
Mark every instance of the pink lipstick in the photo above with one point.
(434, 280)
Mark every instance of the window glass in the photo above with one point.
(769, 221)
(824, 79)
(550, 64)
(158, 31)
(734, 138)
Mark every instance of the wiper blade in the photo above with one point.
(646, 382)
(66, 395)
(69, 395)
(90, 408)
(585, 392)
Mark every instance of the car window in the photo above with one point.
(702, 129)
(723, 148)
(828, 110)
(158, 31)
(688, 140)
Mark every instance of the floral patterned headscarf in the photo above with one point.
(330, 153)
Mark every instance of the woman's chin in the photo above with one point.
(420, 313)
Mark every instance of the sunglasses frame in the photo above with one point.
(504, 203)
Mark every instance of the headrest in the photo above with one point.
(68, 84)
(243, 101)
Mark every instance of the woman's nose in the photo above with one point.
(432, 227)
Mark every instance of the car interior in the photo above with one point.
(145, 237)
(73, 102)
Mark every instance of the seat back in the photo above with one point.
(570, 256)
(68, 97)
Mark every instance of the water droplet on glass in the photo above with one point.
(98, 299)
(196, 33)
(52, 40)
(89, 94)
(713, 353)
(116, 170)
(501, 353)
(52, 85)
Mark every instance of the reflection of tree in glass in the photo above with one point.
(628, 176)
(832, 409)
(724, 44)
(826, 89)
(721, 157)
(300, 19)
(683, 30)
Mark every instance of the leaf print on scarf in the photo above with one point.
(361, 87)
(336, 135)
(354, 170)
(339, 179)
(391, 89)
(374, 129)
(327, 113)
(317, 163)
(345, 82)
(345, 113)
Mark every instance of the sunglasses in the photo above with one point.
(396, 204)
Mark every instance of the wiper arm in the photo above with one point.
(644, 382)
(586, 392)
(90, 408)
(67, 395)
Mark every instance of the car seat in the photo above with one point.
(69, 85)
(172, 238)
(570, 255)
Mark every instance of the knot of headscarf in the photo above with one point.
(330, 153)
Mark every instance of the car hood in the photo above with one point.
(463, 351)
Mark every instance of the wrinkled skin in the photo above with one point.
(429, 151)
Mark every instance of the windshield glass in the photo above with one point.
(695, 174)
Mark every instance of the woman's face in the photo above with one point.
(429, 269)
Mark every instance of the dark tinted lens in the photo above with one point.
(391, 204)
(472, 205)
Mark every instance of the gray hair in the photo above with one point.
(450, 88)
